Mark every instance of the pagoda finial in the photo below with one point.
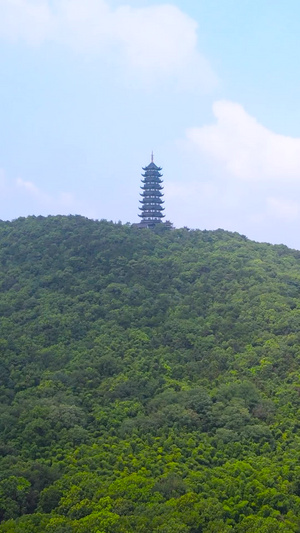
(152, 156)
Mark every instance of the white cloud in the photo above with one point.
(21, 197)
(62, 200)
(247, 149)
(160, 40)
(31, 21)
(29, 187)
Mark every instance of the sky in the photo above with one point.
(88, 88)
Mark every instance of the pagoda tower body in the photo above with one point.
(152, 203)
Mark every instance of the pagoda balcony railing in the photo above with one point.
(152, 173)
(152, 192)
(151, 183)
(152, 198)
(151, 203)
(156, 172)
(151, 186)
(147, 201)
(148, 209)
(153, 180)
(151, 216)
(151, 210)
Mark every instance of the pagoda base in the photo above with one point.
(147, 224)
(152, 223)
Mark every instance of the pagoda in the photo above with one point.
(152, 208)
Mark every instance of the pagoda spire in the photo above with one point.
(152, 202)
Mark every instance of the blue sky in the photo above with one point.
(90, 87)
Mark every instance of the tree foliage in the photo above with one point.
(149, 380)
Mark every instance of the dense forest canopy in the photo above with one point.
(149, 380)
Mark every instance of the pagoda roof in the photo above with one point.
(154, 177)
(147, 200)
(152, 166)
(151, 186)
(150, 208)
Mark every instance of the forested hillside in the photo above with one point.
(149, 380)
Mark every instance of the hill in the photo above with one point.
(149, 380)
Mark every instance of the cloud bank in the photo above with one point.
(241, 176)
(156, 39)
(27, 198)
(248, 150)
